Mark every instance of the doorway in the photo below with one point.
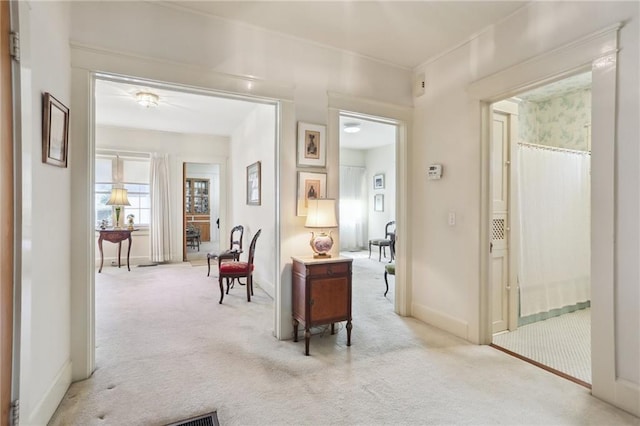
(540, 227)
(201, 213)
(205, 137)
(368, 192)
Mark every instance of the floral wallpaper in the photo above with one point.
(562, 121)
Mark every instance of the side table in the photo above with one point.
(114, 236)
(321, 294)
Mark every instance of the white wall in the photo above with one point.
(222, 46)
(381, 160)
(45, 364)
(255, 140)
(447, 121)
(352, 157)
(181, 147)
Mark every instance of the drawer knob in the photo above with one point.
(329, 270)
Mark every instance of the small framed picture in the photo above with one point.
(55, 131)
(378, 181)
(312, 147)
(378, 203)
(254, 188)
(310, 186)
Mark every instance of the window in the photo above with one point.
(131, 173)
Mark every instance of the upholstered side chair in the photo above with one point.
(235, 269)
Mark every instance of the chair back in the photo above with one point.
(252, 247)
(235, 240)
(390, 229)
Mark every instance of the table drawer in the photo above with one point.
(328, 269)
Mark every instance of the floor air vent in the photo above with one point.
(210, 419)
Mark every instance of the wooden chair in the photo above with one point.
(193, 236)
(387, 241)
(235, 247)
(235, 269)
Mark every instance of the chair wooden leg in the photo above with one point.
(228, 285)
(386, 283)
(221, 289)
(379, 253)
(249, 283)
(369, 249)
(208, 265)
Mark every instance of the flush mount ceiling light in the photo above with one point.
(352, 127)
(147, 99)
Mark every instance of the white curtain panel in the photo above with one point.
(554, 210)
(353, 208)
(160, 227)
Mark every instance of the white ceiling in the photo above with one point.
(177, 111)
(414, 32)
(404, 33)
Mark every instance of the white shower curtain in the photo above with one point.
(160, 227)
(353, 208)
(554, 210)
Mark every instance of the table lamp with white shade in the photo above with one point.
(321, 213)
(118, 199)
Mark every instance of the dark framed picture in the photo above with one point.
(378, 203)
(55, 131)
(310, 186)
(312, 147)
(254, 184)
(378, 181)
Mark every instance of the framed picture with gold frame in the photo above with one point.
(55, 131)
(310, 186)
(312, 147)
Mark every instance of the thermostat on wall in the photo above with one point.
(435, 171)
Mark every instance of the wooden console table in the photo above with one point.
(321, 294)
(114, 236)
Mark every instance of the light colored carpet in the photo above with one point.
(167, 350)
(562, 343)
(201, 262)
(205, 247)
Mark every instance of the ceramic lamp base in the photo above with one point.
(321, 244)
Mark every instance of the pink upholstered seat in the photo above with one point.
(234, 267)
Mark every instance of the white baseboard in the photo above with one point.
(441, 320)
(268, 287)
(45, 408)
(628, 396)
(133, 260)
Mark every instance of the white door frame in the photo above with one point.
(596, 52)
(510, 109)
(402, 117)
(86, 62)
